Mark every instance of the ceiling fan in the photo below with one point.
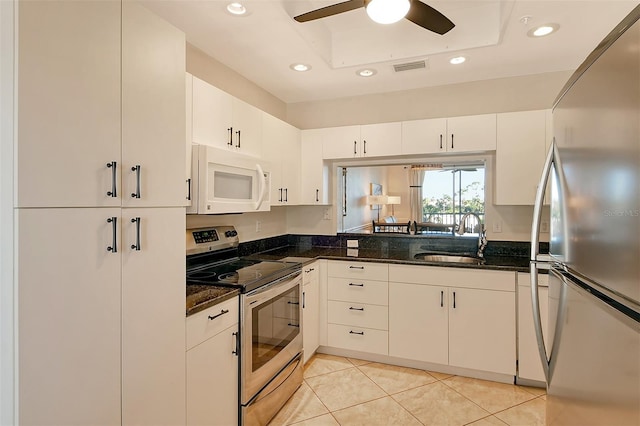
(387, 12)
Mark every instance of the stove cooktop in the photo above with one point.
(246, 274)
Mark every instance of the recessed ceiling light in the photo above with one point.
(300, 67)
(367, 72)
(236, 8)
(457, 60)
(543, 30)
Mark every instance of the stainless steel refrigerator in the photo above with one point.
(593, 364)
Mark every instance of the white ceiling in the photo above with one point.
(262, 45)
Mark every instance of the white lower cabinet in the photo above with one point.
(459, 317)
(212, 365)
(418, 322)
(101, 337)
(357, 311)
(529, 362)
(310, 309)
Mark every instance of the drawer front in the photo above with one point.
(358, 290)
(200, 326)
(482, 279)
(359, 314)
(310, 273)
(359, 270)
(358, 339)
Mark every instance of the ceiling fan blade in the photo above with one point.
(330, 10)
(429, 18)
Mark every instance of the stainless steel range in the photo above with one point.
(270, 317)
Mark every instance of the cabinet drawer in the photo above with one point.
(358, 339)
(358, 290)
(482, 279)
(359, 270)
(310, 273)
(200, 327)
(359, 314)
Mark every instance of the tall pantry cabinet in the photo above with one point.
(100, 215)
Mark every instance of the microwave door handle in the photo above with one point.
(263, 186)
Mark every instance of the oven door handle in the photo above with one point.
(266, 291)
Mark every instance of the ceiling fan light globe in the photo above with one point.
(387, 11)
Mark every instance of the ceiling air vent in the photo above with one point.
(410, 66)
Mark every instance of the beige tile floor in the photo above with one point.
(345, 391)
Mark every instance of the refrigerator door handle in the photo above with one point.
(535, 251)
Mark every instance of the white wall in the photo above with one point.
(7, 324)
(478, 97)
(271, 223)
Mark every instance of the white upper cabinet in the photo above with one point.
(212, 115)
(380, 140)
(223, 121)
(315, 179)
(520, 155)
(282, 150)
(340, 142)
(370, 140)
(68, 104)
(188, 86)
(471, 133)
(424, 136)
(153, 110)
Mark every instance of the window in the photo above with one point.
(450, 193)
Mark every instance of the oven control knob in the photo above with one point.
(230, 234)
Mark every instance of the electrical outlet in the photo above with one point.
(497, 226)
(352, 243)
(544, 226)
(327, 213)
(258, 226)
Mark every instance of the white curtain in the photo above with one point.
(416, 179)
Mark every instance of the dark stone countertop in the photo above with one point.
(201, 297)
(397, 256)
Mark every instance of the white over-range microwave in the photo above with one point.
(227, 182)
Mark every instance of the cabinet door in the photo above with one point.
(418, 322)
(212, 115)
(471, 133)
(482, 333)
(189, 137)
(247, 128)
(315, 180)
(153, 110)
(310, 310)
(291, 164)
(520, 155)
(380, 140)
(68, 317)
(341, 142)
(424, 136)
(212, 381)
(273, 134)
(153, 303)
(69, 103)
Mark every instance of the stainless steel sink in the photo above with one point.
(448, 258)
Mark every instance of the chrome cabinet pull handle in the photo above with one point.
(361, 333)
(222, 312)
(238, 133)
(114, 226)
(351, 308)
(317, 195)
(230, 130)
(442, 299)
(113, 166)
(236, 351)
(356, 285)
(189, 189)
(136, 246)
(356, 267)
(136, 169)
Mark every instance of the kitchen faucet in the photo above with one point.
(482, 233)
